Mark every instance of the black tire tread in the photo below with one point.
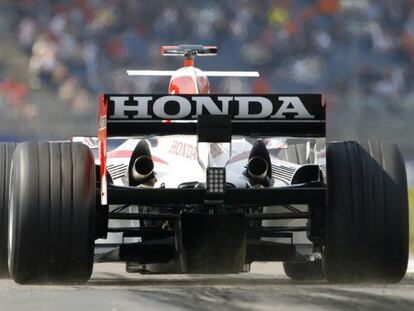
(55, 213)
(367, 213)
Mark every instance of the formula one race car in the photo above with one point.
(190, 182)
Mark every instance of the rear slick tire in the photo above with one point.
(52, 213)
(367, 213)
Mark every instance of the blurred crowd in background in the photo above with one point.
(359, 53)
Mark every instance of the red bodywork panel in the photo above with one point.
(189, 80)
(182, 85)
(102, 134)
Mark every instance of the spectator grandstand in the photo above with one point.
(359, 53)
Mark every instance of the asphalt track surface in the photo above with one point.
(266, 288)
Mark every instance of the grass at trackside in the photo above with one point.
(411, 195)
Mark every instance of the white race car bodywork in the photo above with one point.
(176, 164)
(176, 160)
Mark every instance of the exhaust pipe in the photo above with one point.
(257, 169)
(142, 169)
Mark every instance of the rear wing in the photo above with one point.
(251, 115)
(273, 115)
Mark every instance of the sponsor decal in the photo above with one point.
(241, 107)
(184, 150)
(188, 151)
